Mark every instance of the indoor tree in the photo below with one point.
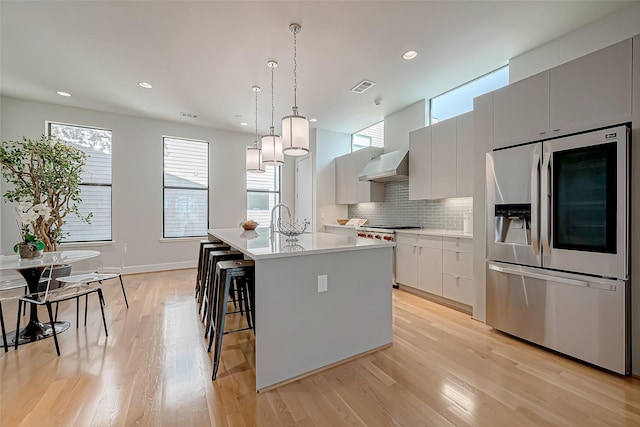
(44, 172)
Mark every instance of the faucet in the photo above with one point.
(271, 224)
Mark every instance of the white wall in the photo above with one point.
(619, 26)
(287, 183)
(398, 125)
(137, 178)
(326, 146)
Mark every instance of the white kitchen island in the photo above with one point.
(299, 329)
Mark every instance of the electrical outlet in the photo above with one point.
(322, 283)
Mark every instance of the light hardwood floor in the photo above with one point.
(153, 370)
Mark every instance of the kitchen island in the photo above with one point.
(300, 328)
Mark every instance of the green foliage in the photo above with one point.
(44, 171)
(32, 241)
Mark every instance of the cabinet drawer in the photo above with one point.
(457, 264)
(434, 242)
(457, 244)
(407, 239)
(457, 289)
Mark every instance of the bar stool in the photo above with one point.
(208, 293)
(203, 257)
(201, 260)
(226, 273)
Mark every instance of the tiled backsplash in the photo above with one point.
(397, 209)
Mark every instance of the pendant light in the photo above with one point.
(254, 154)
(272, 143)
(295, 128)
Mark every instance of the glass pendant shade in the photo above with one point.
(272, 149)
(295, 135)
(254, 160)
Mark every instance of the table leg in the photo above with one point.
(35, 330)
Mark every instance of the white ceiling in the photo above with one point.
(203, 57)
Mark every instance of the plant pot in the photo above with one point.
(26, 251)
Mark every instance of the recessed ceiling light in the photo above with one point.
(244, 124)
(145, 85)
(61, 93)
(313, 120)
(410, 54)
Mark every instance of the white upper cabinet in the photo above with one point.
(349, 189)
(341, 180)
(593, 89)
(521, 111)
(443, 160)
(367, 191)
(464, 157)
(420, 164)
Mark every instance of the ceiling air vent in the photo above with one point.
(362, 86)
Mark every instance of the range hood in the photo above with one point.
(393, 166)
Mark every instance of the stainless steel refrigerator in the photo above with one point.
(558, 244)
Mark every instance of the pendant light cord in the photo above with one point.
(255, 142)
(295, 70)
(272, 96)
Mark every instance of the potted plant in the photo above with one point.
(45, 176)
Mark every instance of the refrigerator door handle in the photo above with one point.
(535, 191)
(545, 202)
(565, 280)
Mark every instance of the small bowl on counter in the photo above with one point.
(249, 225)
(342, 221)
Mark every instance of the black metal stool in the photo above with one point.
(226, 273)
(203, 257)
(208, 303)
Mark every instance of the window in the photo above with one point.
(186, 188)
(460, 99)
(263, 193)
(373, 136)
(95, 188)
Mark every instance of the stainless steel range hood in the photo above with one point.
(393, 166)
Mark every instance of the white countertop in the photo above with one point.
(435, 232)
(258, 244)
(351, 227)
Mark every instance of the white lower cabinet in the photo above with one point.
(407, 264)
(430, 270)
(442, 266)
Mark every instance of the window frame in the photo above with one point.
(366, 136)
(277, 177)
(64, 241)
(430, 116)
(164, 186)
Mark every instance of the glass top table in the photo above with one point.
(31, 269)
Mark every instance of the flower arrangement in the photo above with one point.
(28, 216)
(45, 176)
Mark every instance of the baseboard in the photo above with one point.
(150, 268)
(467, 309)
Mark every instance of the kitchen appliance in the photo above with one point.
(392, 166)
(558, 244)
(387, 233)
